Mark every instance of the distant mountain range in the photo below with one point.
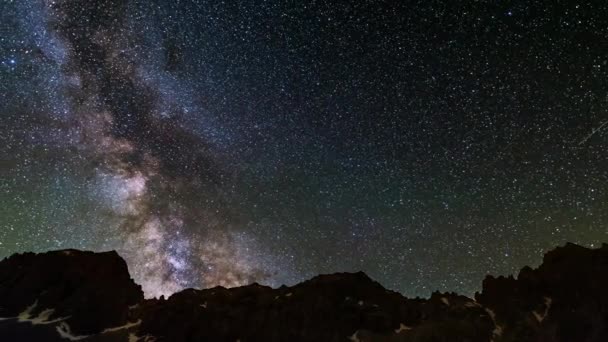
(72, 295)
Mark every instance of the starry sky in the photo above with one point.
(427, 143)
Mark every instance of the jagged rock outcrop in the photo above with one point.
(81, 293)
(565, 299)
(333, 307)
(74, 295)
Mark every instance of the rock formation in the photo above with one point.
(74, 295)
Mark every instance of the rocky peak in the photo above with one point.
(89, 291)
(561, 300)
(76, 295)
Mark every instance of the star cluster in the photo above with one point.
(222, 143)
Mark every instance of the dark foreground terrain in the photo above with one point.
(74, 295)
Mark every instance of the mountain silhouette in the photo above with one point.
(72, 295)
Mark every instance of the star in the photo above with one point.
(210, 144)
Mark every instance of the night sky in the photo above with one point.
(221, 143)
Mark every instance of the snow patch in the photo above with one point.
(65, 332)
(541, 316)
(354, 337)
(402, 327)
(122, 327)
(360, 303)
(42, 318)
(472, 305)
(27, 313)
(445, 301)
(497, 332)
(289, 294)
(146, 338)
(204, 305)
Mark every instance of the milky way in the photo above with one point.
(216, 143)
(120, 113)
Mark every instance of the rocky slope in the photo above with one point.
(74, 295)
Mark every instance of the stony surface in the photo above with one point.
(88, 291)
(74, 295)
(565, 299)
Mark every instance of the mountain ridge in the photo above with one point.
(72, 295)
